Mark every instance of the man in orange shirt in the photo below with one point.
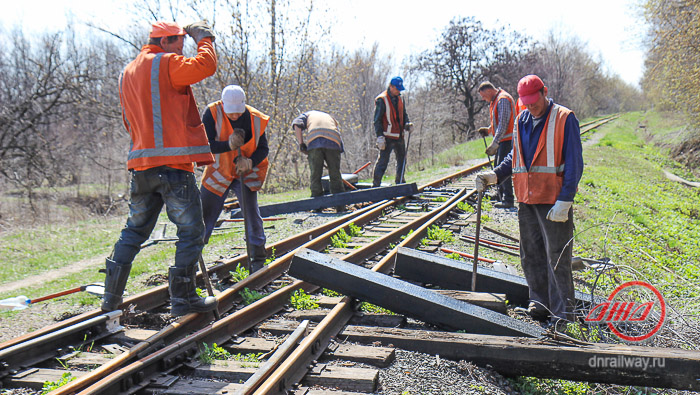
(160, 113)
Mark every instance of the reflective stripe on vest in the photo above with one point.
(493, 107)
(519, 164)
(327, 134)
(388, 110)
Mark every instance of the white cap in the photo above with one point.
(233, 98)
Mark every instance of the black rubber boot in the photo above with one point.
(257, 258)
(115, 282)
(183, 294)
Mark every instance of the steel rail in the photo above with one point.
(251, 315)
(297, 365)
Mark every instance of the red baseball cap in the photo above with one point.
(166, 29)
(529, 87)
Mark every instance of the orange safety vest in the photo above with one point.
(542, 183)
(493, 110)
(322, 125)
(164, 123)
(219, 175)
(519, 107)
(392, 122)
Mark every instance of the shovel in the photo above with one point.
(21, 302)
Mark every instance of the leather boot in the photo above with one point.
(183, 294)
(257, 258)
(115, 281)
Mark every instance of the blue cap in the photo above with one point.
(398, 83)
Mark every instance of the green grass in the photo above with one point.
(300, 300)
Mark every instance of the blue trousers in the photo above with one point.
(212, 204)
(150, 190)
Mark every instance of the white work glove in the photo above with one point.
(236, 139)
(485, 179)
(243, 165)
(408, 127)
(492, 148)
(381, 143)
(560, 211)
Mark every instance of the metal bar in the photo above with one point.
(494, 231)
(490, 245)
(337, 199)
(470, 256)
(476, 240)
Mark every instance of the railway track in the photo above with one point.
(144, 357)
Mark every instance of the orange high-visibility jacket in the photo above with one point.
(322, 125)
(493, 110)
(393, 120)
(163, 121)
(519, 107)
(542, 183)
(219, 175)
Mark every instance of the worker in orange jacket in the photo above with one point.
(160, 113)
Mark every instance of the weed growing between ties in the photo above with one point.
(300, 300)
(250, 296)
(330, 292)
(208, 354)
(272, 256)
(371, 308)
(49, 386)
(466, 207)
(454, 255)
(437, 233)
(340, 239)
(240, 274)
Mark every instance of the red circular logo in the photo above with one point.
(635, 311)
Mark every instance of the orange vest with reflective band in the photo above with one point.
(219, 175)
(392, 122)
(519, 107)
(493, 110)
(542, 183)
(164, 123)
(322, 125)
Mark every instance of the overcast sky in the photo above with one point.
(611, 28)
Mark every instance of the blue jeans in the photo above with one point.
(399, 147)
(150, 190)
(212, 205)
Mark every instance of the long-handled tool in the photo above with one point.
(243, 203)
(487, 155)
(405, 155)
(207, 283)
(21, 302)
(476, 241)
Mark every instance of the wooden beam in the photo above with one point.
(403, 297)
(337, 199)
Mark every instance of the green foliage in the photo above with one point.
(436, 233)
(300, 300)
(440, 199)
(466, 207)
(485, 218)
(454, 255)
(252, 358)
(354, 230)
(201, 293)
(49, 386)
(240, 274)
(410, 232)
(340, 239)
(208, 354)
(536, 386)
(272, 256)
(329, 292)
(250, 296)
(370, 308)
(486, 204)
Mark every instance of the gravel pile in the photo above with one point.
(416, 373)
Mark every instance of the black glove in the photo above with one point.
(483, 131)
(303, 148)
(200, 30)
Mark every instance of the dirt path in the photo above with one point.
(38, 279)
(595, 137)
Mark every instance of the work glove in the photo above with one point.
(200, 30)
(483, 131)
(243, 165)
(559, 212)
(492, 148)
(381, 143)
(236, 139)
(485, 179)
(408, 127)
(303, 148)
